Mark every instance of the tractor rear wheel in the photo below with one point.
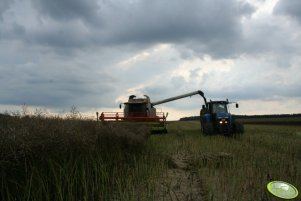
(208, 129)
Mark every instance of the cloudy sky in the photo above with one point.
(94, 54)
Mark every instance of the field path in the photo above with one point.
(182, 182)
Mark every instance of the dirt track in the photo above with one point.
(181, 181)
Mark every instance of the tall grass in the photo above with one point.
(55, 159)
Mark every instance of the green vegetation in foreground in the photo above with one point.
(55, 159)
(240, 168)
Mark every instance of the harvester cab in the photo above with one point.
(216, 118)
(138, 107)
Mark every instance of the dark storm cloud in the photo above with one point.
(289, 7)
(55, 86)
(68, 9)
(271, 40)
(4, 5)
(67, 35)
(206, 26)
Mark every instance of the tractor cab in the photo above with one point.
(217, 106)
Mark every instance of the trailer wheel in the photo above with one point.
(208, 129)
(238, 128)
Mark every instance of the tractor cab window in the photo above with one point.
(219, 107)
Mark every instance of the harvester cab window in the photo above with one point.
(219, 107)
(137, 109)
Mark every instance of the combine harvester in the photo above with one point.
(214, 115)
(143, 110)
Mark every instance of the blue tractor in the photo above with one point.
(215, 118)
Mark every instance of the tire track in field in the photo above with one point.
(182, 182)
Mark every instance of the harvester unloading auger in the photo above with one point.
(143, 110)
(214, 115)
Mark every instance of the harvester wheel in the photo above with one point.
(208, 129)
(238, 128)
